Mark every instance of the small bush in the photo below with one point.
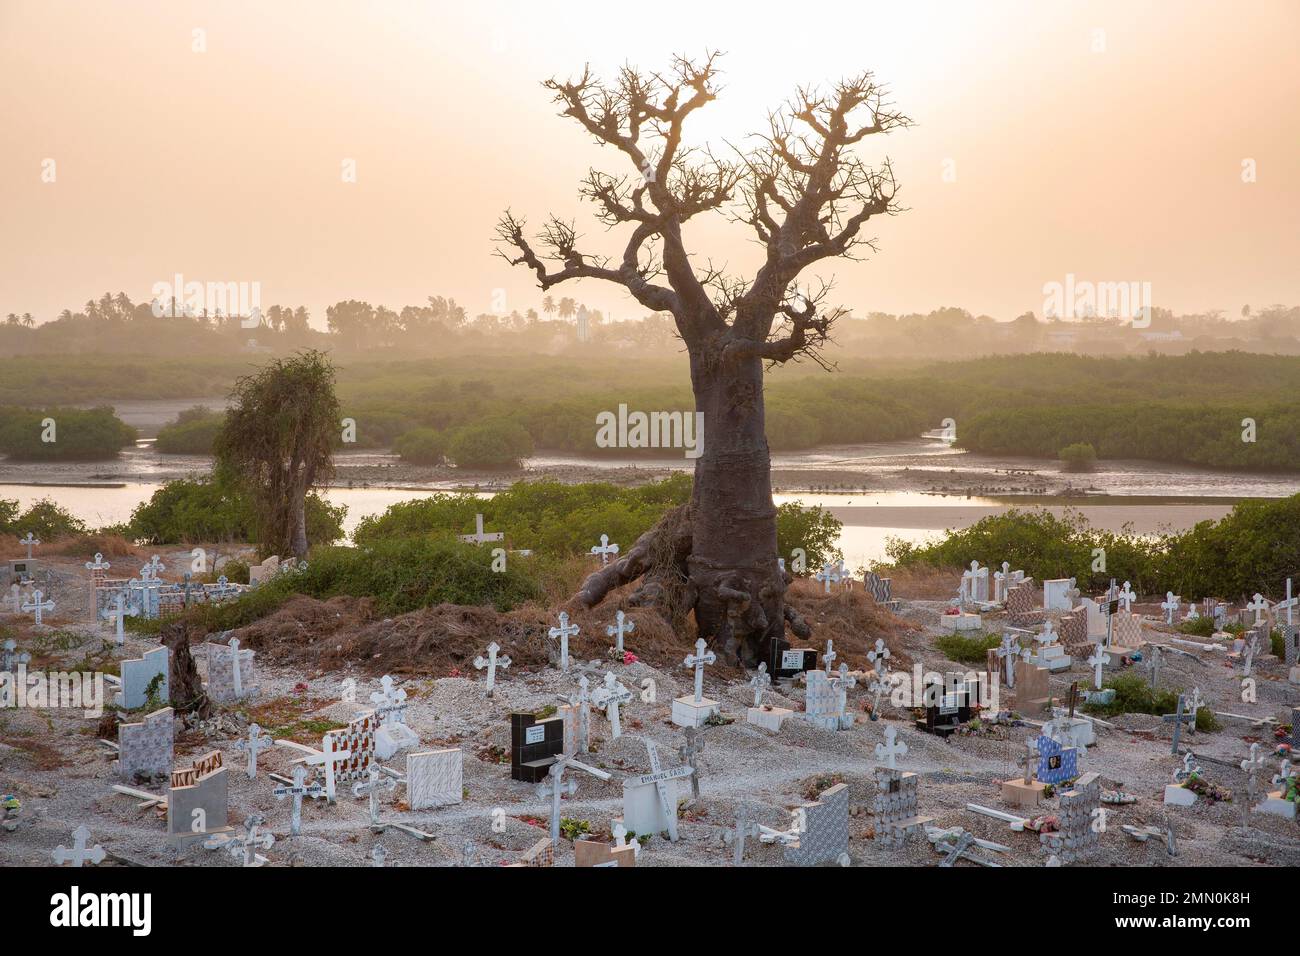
(190, 511)
(44, 519)
(193, 432)
(1080, 456)
(79, 434)
(1133, 695)
(968, 650)
(422, 446)
(1200, 627)
(496, 444)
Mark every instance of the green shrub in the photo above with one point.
(193, 432)
(968, 650)
(1079, 456)
(422, 446)
(44, 519)
(1133, 695)
(814, 529)
(1200, 627)
(190, 511)
(78, 434)
(494, 444)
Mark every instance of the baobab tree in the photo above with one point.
(806, 197)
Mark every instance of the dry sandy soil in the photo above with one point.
(52, 762)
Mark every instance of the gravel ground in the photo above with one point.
(52, 762)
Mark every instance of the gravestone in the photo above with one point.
(1021, 606)
(576, 714)
(1076, 839)
(540, 854)
(197, 801)
(894, 806)
(392, 734)
(1030, 694)
(145, 749)
(791, 661)
(591, 853)
(1056, 594)
(434, 778)
(138, 673)
(1025, 791)
(947, 704)
(822, 704)
(823, 830)
(231, 673)
(534, 746)
(694, 710)
(480, 536)
(650, 799)
(1126, 629)
(358, 740)
(604, 549)
(1056, 764)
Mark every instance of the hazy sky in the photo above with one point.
(225, 165)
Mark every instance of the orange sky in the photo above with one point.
(224, 165)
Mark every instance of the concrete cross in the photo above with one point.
(1252, 765)
(1259, 605)
(298, 790)
(1008, 652)
(1000, 581)
(154, 566)
(844, 682)
(689, 752)
(616, 630)
(328, 758)
(604, 549)
(121, 611)
(891, 748)
(660, 777)
(608, 698)
(223, 586)
(1289, 603)
(256, 741)
(1126, 596)
(1027, 760)
(829, 656)
(247, 845)
(555, 786)
(760, 680)
(954, 851)
(378, 855)
(1249, 652)
(30, 542)
(492, 662)
(880, 683)
(563, 632)
(582, 701)
(827, 574)
(235, 679)
(376, 785)
(99, 564)
(1047, 635)
(479, 535)
(35, 605)
(745, 827)
(1170, 605)
(1098, 659)
(10, 658)
(697, 661)
(620, 839)
(1179, 718)
(1155, 665)
(390, 704)
(877, 656)
(80, 853)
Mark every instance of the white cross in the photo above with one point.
(604, 549)
(1258, 605)
(99, 564)
(760, 680)
(617, 630)
(564, 632)
(662, 789)
(11, 659)
(122, 611)
(244, 846)
(154, 566)
(1170, 606)
(827, 574)
(30, 542)
(492, 662)
(256, 741)
(582, 701)
(234, 668)
(1289, 603)
(891, 748)
(698, 660)
(479, 535)
(878, 655)
(1001, 580)
(299, 790)
(376, 785)
(620, 839)
(1249, 652)
(1046, 636)
(843, 684)
(1008, 651)
(79, 853)
(390, 704)
(37, 605)
(1252, 765)
(829, 656)
(1096, 661)
(328, 758)
(378, 855)
(555, 787)
(1126, 597)
(608, 697)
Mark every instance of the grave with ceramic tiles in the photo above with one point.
(1077, 837)
(650, 799)
(1048, 651)
(948, 703)
(1056, 594)
(145, 749)
(534, 746)
(767, 716)
(1030, 694)
(822, 830)
(138, 674)
(1022, 605)
(392, 734)
(1025, 791)
(824, 704)
(894, 807)
(434, 778)
(197, 800)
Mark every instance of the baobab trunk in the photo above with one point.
(733, 566)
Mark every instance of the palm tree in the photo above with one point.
(567, 307)
(28, 320)
(548, 305)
